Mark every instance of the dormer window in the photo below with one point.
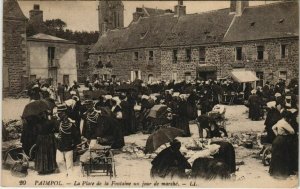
(206, 32)
(143, 34)
(281, 20)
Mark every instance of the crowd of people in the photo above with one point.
(122, 110)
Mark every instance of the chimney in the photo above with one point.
(104, 27)
(137, 14)
(36, 15)
(180, 9)
(237, 7)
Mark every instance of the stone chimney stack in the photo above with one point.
(180, 9)
(237, 7)
(36, 15)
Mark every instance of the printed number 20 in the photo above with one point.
(22, 182)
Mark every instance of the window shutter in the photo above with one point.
(254, 56)
(278, 53)
(266, 55)
(131, 75)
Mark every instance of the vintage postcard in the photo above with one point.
(150, 93)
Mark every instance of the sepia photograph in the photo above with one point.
(150, 94)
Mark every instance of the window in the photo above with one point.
(66, 79)
(32, 77)
(283, 51)
(99, 63)
(282, 75)
(150, 78)
(188, 76)
(174, 56)
(136, 56)
(188, 55)
(260, 52)
(150, 55)
(238, 53)
(260, 76)
(51, 56)
(202, 54)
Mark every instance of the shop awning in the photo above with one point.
(243, 76)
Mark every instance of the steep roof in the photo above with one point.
(110, 41)
(12, 10)
(274, 20)
(270, 21)
(149, 31)
(45, 37)
(154, 12)
(202, 28)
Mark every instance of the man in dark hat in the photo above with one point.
(67, 139)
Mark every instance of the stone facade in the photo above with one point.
(14, 50)
(215, 44)
(62, 69)
(125, 65)
(223, 58)
(82, 62)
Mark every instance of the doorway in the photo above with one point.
(207, 75)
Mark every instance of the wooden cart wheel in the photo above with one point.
(267, 156)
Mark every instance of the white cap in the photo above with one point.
(145, 97)
(107, 97)
(277, 95)
(253, 91)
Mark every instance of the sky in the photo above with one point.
(83, 15)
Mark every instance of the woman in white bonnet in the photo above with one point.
(284, 160)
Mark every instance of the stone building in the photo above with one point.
(14, 48)
(52, 57)
(262, 39)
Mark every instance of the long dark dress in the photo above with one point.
(273, 116)
(45, 161)
(29, 133)
(109, 129)
(283, 156)
(181, 120)
(209, 168)
(169, 163)
(254, 107)
(126, 116)
(226, 154)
